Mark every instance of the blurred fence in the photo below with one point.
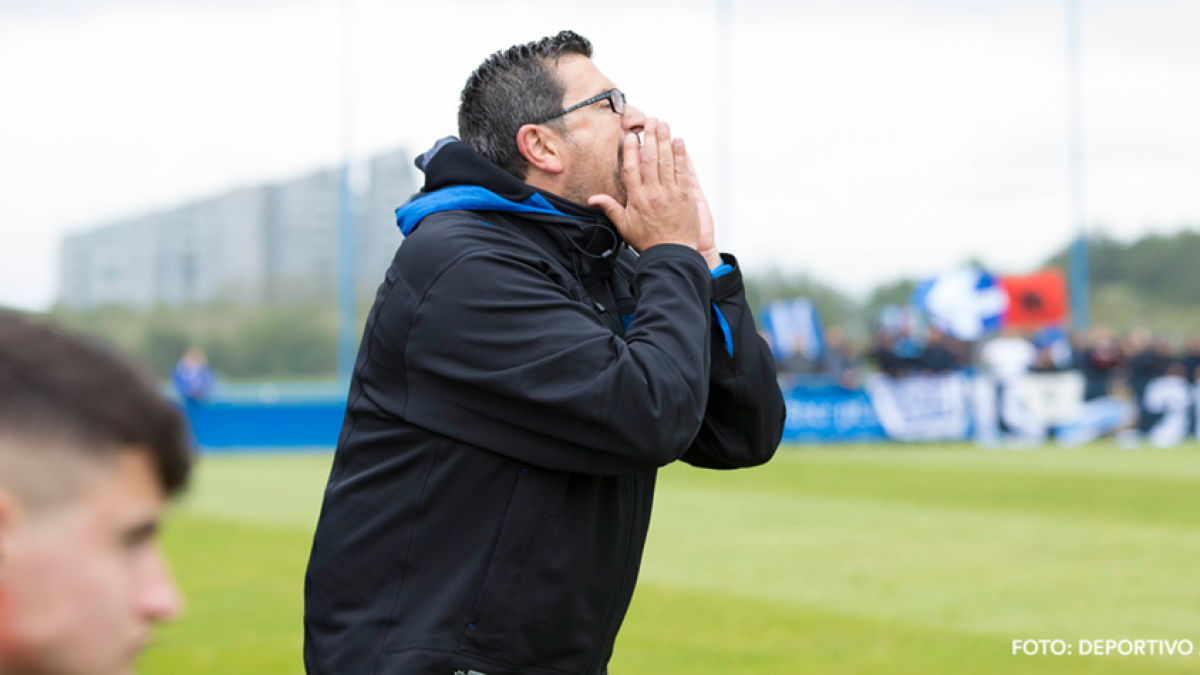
(268, 416)
(961, 406)
(1024, 410)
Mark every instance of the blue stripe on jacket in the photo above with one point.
(466, 198)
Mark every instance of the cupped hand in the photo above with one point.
(708, 237)
(660, 206)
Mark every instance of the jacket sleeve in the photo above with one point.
(743, 421)
(499, 355)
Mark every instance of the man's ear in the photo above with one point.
(542, 147)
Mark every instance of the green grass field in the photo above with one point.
(865, 559)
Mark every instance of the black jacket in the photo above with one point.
(521, 377)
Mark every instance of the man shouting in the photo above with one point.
(557, 326)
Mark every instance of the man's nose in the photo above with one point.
(633, 121)
(158, 598)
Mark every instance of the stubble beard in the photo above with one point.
(579, 191)
(619, 193)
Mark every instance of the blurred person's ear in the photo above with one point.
(10, 514)
(7, 524)
(10, 517)
(8, 527)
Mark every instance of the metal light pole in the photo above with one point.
(723, 213)
(1079, 248)
(347, 276)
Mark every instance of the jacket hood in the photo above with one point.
(459, 178)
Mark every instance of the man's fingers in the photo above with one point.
(611, 208)
(631, 175)
(695, 181)
(650, 152)
(666, 157)
(683, 176)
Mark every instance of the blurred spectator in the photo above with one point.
(1079, 344)
(883, 353)
(1008, 356)
(1191, 359)
(1054, 350)
(1044, 363)
(899, 341)
(1098, 362)
(797, 364)
(192, 377)
(1146, 362)
(938, 356)
(1164, 357)
(839, 360)
(1141, 358)
(1176, 368)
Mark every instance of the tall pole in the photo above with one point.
(1080, 310)
(723, 213)
(347, 277)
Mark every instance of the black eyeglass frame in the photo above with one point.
(616, 99)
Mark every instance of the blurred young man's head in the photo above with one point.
(89, 452)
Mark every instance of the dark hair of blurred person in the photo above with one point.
(89, 452)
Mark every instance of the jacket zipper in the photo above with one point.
(607, 629)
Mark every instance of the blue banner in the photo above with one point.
(829, 413)
(793, 327)
(266, 416)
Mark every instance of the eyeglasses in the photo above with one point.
(616, 101)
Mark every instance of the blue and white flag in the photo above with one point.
(965, 304)
(793, 327)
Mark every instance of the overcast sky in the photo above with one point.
(872, 139)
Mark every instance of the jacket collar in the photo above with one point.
(459, 178)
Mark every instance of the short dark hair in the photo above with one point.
(511, 88)
(55, 387)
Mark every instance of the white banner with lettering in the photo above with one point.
(1021, 411)
(922, 408)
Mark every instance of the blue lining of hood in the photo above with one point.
(467, 198)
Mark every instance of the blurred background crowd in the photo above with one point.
(1111, 363)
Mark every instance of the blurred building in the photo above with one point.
(260, 244)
